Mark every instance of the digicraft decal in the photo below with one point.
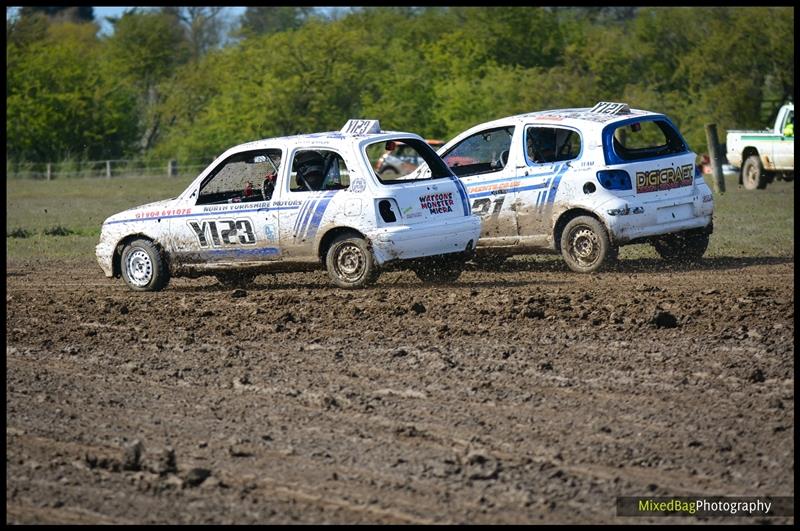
(437, 203)
(223, 232)
(666, 179)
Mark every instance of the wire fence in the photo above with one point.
(72, 169)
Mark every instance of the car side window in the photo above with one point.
(545, 145)
(242, 177)
(483, 152)
(315, 170)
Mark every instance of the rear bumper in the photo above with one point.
(659, 217)
(407, 242)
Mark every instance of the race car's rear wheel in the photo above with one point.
(350, 263)
(143, 268)
(585, 245)
(682, 247)
(439, 270)
(753, 176)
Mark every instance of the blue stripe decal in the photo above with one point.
(316, 218)
(218, 213)
(515, 178)
(305, 217)
(551, 197)
(509, 190)
(247, 252)
(313, 215)
(306, 205)
(462, 192)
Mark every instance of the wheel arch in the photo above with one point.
(569, 215)
(116, 261)
(327, 238)
(746, 153)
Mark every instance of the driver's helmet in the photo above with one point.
(310, 168)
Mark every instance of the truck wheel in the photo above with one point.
(438, 270)
(143, 266)
(753, 177)
(236, 279)
(682, 247)
(350, 263)
(585, 245)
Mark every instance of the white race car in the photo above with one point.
(583, 182)
(299, 203)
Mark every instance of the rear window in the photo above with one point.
(642, 140)
(422, 161)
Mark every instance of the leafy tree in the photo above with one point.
(58, 103)
(145, 49)
(265, 20)
(61, 13)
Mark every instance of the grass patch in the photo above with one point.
(58, 230)
(19, 232)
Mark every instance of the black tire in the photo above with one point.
(753, 175)
(585, 245)
(350, 263)
(236, 279)
(143, 266)
(438, 270)
(682, 247)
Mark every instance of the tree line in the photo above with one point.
(183, 83)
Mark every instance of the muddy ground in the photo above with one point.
(527, 395)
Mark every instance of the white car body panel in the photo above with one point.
(289, 227)
(521, 204)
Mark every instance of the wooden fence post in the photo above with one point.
(172, 168)
(715, 157)
(49, 170)
(108, 169)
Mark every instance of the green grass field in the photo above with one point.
(751, 224)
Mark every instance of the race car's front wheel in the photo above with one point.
(143, 268)
(753, 176)
(585, 245)
(350, 263)
(438, 270)
(682, 247)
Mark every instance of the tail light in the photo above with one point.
(614, 179)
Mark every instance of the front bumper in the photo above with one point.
(105, 256)
(415, 241)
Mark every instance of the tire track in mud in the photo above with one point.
(510, 398)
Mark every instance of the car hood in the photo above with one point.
(142, 212)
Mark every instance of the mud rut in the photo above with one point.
(531, 394)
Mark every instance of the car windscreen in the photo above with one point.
(419, 161)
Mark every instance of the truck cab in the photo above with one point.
(761, 156)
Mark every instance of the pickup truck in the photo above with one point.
(764, 155)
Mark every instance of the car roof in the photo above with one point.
(324, 139)
(576, 117)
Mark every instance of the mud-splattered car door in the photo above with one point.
(486, 164)
(231, 217)
(315, 177)
(547, 152)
